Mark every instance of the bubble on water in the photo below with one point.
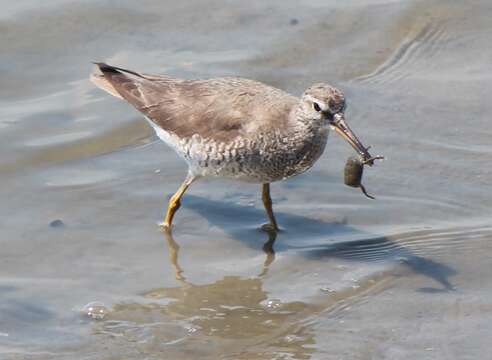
(327, 289)
(191, 329)
(95, 310)
(402, 259)
(57, 223)
(273, 304)
(292, 338)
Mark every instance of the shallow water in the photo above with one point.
(85, 181)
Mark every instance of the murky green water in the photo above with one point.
(84, 182)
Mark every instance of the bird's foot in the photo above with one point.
(164, 226)
(269, 228)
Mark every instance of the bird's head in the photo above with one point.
(325, 105)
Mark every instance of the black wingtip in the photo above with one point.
(105, 68)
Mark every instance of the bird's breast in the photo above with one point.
(264, 158)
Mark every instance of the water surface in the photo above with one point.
(85, 181)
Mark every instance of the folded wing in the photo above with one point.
(220, 109)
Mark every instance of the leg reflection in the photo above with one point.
(173, 249)
(270, 253)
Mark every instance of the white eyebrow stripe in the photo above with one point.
(322, 105)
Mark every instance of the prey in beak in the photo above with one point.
(337, 122)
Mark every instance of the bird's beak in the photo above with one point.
(340, 126)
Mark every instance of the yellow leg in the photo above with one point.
(175, 202)
(267, 201)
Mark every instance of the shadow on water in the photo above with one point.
(315, 238)
(232, 317)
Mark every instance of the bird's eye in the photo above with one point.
(316, 107)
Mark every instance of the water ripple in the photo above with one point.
(415, 51)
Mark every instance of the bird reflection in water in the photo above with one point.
(234, 306)
(233, 315)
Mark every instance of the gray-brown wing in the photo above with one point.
(220, 109)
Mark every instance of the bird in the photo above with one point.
(233, 127)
